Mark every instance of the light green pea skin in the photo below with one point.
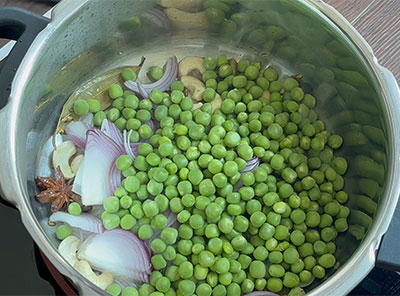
(63, 231)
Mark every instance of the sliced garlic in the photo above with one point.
(102, 281)
(76, 163)
(68, 248)
(61, 158)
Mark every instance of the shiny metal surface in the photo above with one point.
(86, 38)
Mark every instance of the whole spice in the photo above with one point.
(57, 191)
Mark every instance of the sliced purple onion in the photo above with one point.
(135, 147)
(154, 124)
(251, 165)
(158, 17)
(84, 221)
(77, 185)
(115, 178)
(111, 130)
(142, 91)
(99, 177)
(88, 118)
(120, 253)
(171, 71)
(127, 146)
(76, 131)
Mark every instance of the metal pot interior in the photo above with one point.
(89, 37)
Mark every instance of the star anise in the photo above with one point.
(58, 191)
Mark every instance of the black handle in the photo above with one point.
(22, 26)
(389, 251)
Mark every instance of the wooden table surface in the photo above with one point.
(378, 22)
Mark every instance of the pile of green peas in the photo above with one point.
(269, 229)
(127, 112)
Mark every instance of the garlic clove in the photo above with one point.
(68, 248)
(61, 158)
(76, 163)
(102, 281)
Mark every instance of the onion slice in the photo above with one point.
(171, 71)
(120, 253)
(111, 130)
(158, 17)
(154, 124)
(77, 185)
(135, 147)
(127, 145)
(100, 177)
(76, 131)
(88, 118)
(84, 221)
(142, 90)
(251, 165)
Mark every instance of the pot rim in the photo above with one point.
(361, 262)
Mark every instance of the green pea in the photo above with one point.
(291, 280)
(81, 107)
(169, 235)
(185, 270)
(74, 209)
(274, 285)
(63, 231)
(129, 291)
(115, 91)
(128, 74)
(156, 73)
(114, 289)
(257, 269)
(251, 72)
(225, 70)
(204, 289)
(145, 232)
(318, 271)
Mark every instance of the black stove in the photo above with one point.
(26, 271)
(24, 268)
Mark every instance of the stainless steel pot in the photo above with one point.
(356, 96)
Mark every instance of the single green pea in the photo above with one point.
(225, 70)
(251, 72)
(114, 289)
(74, 209)
(156, 73)
(169, 235)
(81, 107)
(99, 117)
(115, 91)
(63, 231)
(128, 74)
(129, 291)
(111, 204)
(257, 269)
(94, 105)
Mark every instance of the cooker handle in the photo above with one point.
(22, 26)
(388, 255)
